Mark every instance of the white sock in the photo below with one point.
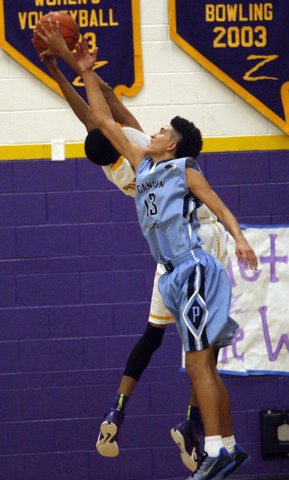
(229, 443)
(213, 445)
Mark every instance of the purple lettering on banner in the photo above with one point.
(231, 273)
(234, 299)
(239, 336)
(224, 358)
(283, 339)
(272, 259)
(253, 278)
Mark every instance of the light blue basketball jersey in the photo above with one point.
(195, 288)
(166, 209)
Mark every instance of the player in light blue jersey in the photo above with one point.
(195, 287)
(119, 171)
(194, 280)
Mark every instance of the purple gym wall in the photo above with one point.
(75, 288)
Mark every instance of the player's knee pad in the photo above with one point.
(142, 352)
(217, 350)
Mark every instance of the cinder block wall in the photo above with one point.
(75, 287)
(174, 84)
(76, 277)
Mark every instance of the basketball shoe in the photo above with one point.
(211, 468)
(240, 457)
(107, 439)
(187, 437)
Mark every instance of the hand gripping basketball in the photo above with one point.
(53, 23)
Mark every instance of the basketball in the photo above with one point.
(68, 28)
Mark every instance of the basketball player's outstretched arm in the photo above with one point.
(200, 188)
(58, 47)
(76, 102)
(100, 109)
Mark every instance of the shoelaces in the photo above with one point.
(201, 459)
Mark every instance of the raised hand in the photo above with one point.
(84, 60)
(50, 62)
(55, 42)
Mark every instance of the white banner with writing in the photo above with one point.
(260, 305)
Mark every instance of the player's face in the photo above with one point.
(160, 141)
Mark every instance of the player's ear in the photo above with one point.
(172, 146)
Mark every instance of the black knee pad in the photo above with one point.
(217, 350)
(142, 352)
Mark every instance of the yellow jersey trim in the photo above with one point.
(160, 318)
(115, 166)
(219, 240)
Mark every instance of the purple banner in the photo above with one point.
(113, 24)
(244, 44)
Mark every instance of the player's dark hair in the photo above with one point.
(98, 148)
(190, 143)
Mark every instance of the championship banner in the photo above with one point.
(112, 25)
(244, 44)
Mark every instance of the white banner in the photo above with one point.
(260, 305)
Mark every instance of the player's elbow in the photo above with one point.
(89, 122)
(105, 123)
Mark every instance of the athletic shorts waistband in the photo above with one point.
(170, 266)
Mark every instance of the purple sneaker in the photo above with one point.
(187, 437)
(107, 440)
(211, 468)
